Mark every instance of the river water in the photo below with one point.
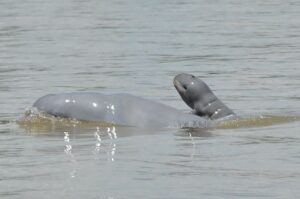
(247, 51)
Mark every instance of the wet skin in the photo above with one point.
(121, 109)
(197, 95)
(130, 110)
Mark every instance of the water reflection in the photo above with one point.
(195, 132)
(98, 140)
(113, 136)
(104, 141)
(71, 157)
(100, 144)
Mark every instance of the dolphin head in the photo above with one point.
(192, 89)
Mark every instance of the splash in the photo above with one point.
(34, 120)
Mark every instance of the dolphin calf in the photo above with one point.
(197, 95)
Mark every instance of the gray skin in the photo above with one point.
(197, 95)
(120, 109)
(130, 110)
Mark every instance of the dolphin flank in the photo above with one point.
(130, 110)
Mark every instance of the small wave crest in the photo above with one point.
(256, 121)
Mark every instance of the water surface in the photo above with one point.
(247, 52)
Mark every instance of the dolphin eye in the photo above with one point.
(184, 86)
(193, 76)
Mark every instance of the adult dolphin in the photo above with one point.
(130, 110)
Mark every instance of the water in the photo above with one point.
(247, 51)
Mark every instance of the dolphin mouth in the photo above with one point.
(178, 85)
